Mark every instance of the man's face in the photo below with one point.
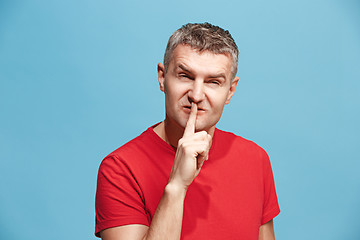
(203, 78)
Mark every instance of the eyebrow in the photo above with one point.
(219, 75)
(184, 68)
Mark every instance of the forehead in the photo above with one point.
(200, 62)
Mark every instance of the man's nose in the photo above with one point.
(196, 93)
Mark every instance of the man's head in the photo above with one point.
(203, 37)
(199, 67)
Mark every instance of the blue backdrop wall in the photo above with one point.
(78, 79)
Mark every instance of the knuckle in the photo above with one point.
(209, 140)
(185, 145)
(204, 133)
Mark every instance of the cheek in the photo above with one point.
(175, 92)
(218, 98)
(168, 91)
(166, 86)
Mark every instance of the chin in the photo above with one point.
(201, 127)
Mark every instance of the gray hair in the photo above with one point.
(203, 37)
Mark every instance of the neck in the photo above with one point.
(171, 132)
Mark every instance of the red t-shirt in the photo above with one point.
(233, 195)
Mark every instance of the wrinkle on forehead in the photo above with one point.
(204, 62)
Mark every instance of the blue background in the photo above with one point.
(78, 79)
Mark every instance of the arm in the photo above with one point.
(191, 153)
(166, 222)
(266, 231)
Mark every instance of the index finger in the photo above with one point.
(190, 125)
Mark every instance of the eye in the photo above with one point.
(214, 81)
(184, 75)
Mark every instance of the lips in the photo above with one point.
(189, 107)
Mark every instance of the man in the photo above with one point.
(183, 178)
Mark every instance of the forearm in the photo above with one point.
(167, 220)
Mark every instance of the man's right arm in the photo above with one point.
(166, 222)
(192, 151)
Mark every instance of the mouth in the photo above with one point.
(199, 109)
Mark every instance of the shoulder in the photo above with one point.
(141, 151)
(129, 150)
(237, 142)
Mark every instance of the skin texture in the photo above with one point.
(266, 231)
(203, 78)
(197, 85)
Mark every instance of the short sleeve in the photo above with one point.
(119, 199)
(270, 206)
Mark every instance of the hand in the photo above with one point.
(192, 151)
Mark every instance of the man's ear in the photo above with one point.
(161, 76)
(232, 89)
